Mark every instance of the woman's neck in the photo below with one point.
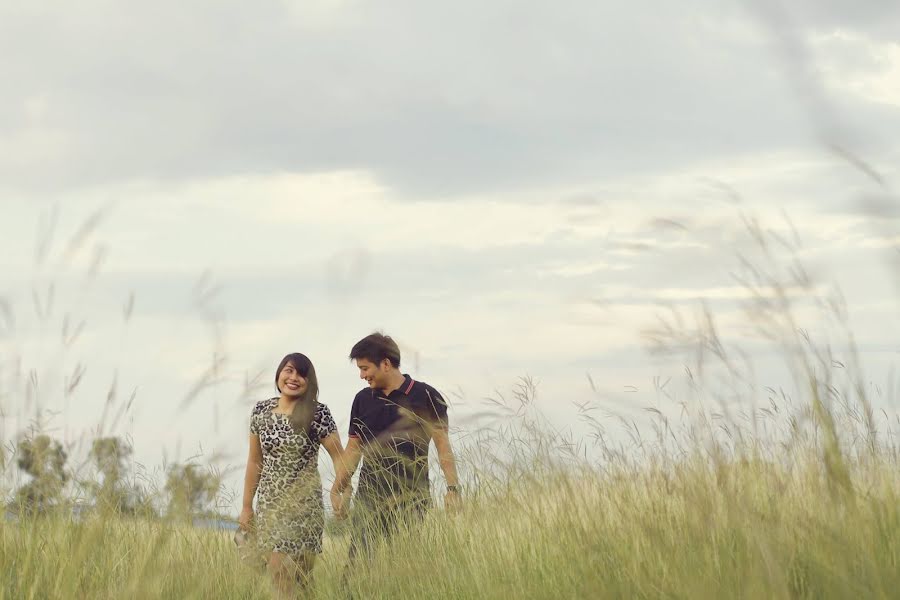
(286, 403)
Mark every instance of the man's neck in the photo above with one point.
(395, 382)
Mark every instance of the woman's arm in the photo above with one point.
(332, 443)
(352, 455)
(344, 470)
(251, 481)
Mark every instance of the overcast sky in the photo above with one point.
(507, 188)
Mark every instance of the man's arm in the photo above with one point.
(351, 455)
(445, 455)
(441, 438)
(439, 428)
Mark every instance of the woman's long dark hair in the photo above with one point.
(305, 409)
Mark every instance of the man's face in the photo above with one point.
(374, 374)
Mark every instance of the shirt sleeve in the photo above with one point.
(254, 420)
(354, 430)
(324, 424)
(437, 408)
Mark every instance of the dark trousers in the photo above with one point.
(376, 519)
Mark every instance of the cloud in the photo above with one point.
(434, 102)
(521, 191)
(868, 69)
(875, 17)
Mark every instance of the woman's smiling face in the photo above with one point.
(290, 382)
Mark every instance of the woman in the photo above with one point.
(282, 472)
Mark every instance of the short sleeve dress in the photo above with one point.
(290, 514)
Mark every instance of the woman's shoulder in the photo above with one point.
(323, 422)
(322, 409)
(323, 413)
(264, 405)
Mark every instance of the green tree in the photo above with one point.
(113, 493)
(191, 490)
(44, 459)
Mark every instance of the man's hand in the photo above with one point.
(452, 501)
(245, 521)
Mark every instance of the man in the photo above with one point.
(392, 422)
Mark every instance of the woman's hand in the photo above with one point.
(245, 521)
(338, 504)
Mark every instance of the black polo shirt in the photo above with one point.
(395, 432)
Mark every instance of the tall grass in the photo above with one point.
(710, 523)
(119, 558)
(804, 505)
(748, 529)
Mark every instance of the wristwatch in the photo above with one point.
(453, 488)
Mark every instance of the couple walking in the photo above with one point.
(392, 422)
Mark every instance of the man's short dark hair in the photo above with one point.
(375, 348)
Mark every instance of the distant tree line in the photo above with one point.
(189, 489)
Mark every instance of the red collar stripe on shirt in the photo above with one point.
(409, 388)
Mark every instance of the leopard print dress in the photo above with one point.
(290, 515)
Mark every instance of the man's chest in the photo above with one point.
(385, 415)
(377, 416)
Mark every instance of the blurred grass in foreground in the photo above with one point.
(748, 528)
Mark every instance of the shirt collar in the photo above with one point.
(405, 387)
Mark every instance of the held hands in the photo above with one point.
(340, 502)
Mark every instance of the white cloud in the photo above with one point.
(854, 63)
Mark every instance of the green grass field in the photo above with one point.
(698, 528)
